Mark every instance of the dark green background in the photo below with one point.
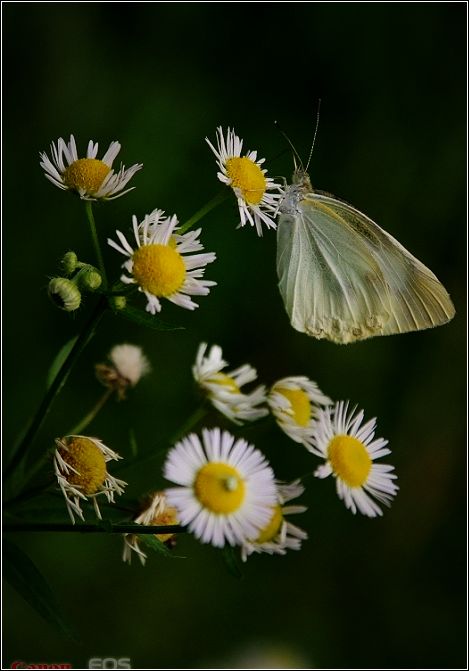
(159, 78)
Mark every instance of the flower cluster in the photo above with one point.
(222, 489)
(225, 489)
(227, 494)
(309, 417)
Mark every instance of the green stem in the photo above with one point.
(153, 454)
(83, 423)
(191, 421)
(94, 235)
(219, 198)
(56, 385)
(104, 527)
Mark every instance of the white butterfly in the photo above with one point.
(345, 279)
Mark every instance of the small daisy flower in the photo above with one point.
(80, 467)
(128, 365)
(295, 402)
(91, 178)
(248, 180)
(162, 264)
(155, 512)
(279, 535)
(350, 450)
(226, 487)
(224, 389)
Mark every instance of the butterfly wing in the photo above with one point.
(345, 279)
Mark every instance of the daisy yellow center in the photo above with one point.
(270, 531)
(246, 176)
(158, 269)
(300, 405)
(219, 488)
(349, 460)
(87, 174)
(225, 381)
(88, 460)
(167, 517)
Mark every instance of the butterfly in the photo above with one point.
(343, 278)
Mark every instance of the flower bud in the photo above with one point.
(117, 302)
(89, 279)
(69, 263)
(64, 294)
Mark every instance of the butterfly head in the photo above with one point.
(301, 179)
(300, 186)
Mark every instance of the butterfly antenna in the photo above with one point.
(315, 133)
(295, 153)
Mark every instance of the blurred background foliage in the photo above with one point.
(159, 78)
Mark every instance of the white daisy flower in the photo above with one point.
(350, 450)
(157, 264)
(248, 180)
(279, 535)
(155, 512)
(91, 178)
(226, 487)
(224, 389)
(80, 467)
(295, 402)
(128, 366)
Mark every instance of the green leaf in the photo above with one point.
(154, 543)
(133, 443)
(145, 319)
(25, 578)
(231, 559)
(59, 360)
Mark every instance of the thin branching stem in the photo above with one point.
(219, 198)
(190, 423)
(88, 418)
(100, 527)
(96, 245)
(149, 456)
(56, 385)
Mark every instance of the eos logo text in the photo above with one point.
(109, 663)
